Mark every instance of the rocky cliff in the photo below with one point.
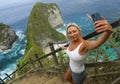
(43, 20)
(7, 37)
(54, 16)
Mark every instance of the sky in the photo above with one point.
(67, 7)
(11, 2)
(8, 3)
(4, 3)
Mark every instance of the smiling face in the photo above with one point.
(73, 33)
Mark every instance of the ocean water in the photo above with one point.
(83, 22)
(9, 58)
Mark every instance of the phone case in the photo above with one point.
(96, 17)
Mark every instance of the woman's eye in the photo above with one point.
(69, 32)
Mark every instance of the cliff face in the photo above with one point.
(54, 17)
(41, 27)
(7, 37)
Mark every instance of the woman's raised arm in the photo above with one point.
(100, 26)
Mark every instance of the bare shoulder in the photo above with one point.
(89, 44)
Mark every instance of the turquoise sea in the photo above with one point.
(9, 58)
(72, 11)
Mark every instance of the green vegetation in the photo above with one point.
(2, 26)
(24, 69)
(39, 28)
(39, 32)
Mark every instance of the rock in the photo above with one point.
(55, 18)
(7, 37)
(43, 20)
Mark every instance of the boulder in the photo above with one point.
(7, 37)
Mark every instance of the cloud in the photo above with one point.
(8, 3)
(15, 2)
(4, 3)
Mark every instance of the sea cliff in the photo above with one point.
(41, 28)
(7, 37)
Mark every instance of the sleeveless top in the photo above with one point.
(76, 60)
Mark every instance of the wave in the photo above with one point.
(7, 70)
(62, 30)
(21, 36)
(9, 58)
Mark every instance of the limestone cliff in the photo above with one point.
(54, 17)
(41, 30)
(7, 37)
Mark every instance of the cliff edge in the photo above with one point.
(7, 37)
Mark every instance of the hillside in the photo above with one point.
(41, 29)
(39, 79)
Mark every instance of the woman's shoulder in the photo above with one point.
(86, 43)
(90, 45)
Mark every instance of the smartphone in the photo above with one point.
(96, 17)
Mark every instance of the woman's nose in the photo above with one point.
(72, 33)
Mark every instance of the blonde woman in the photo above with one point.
(79, 48)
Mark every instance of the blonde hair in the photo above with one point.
(74, 25)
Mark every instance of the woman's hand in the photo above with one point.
(102, 26)
(63, 47)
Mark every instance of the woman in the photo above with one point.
(79, 48)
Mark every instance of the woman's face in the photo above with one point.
(73, 33)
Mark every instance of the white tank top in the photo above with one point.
(76, 60)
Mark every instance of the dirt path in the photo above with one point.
(37, 79)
